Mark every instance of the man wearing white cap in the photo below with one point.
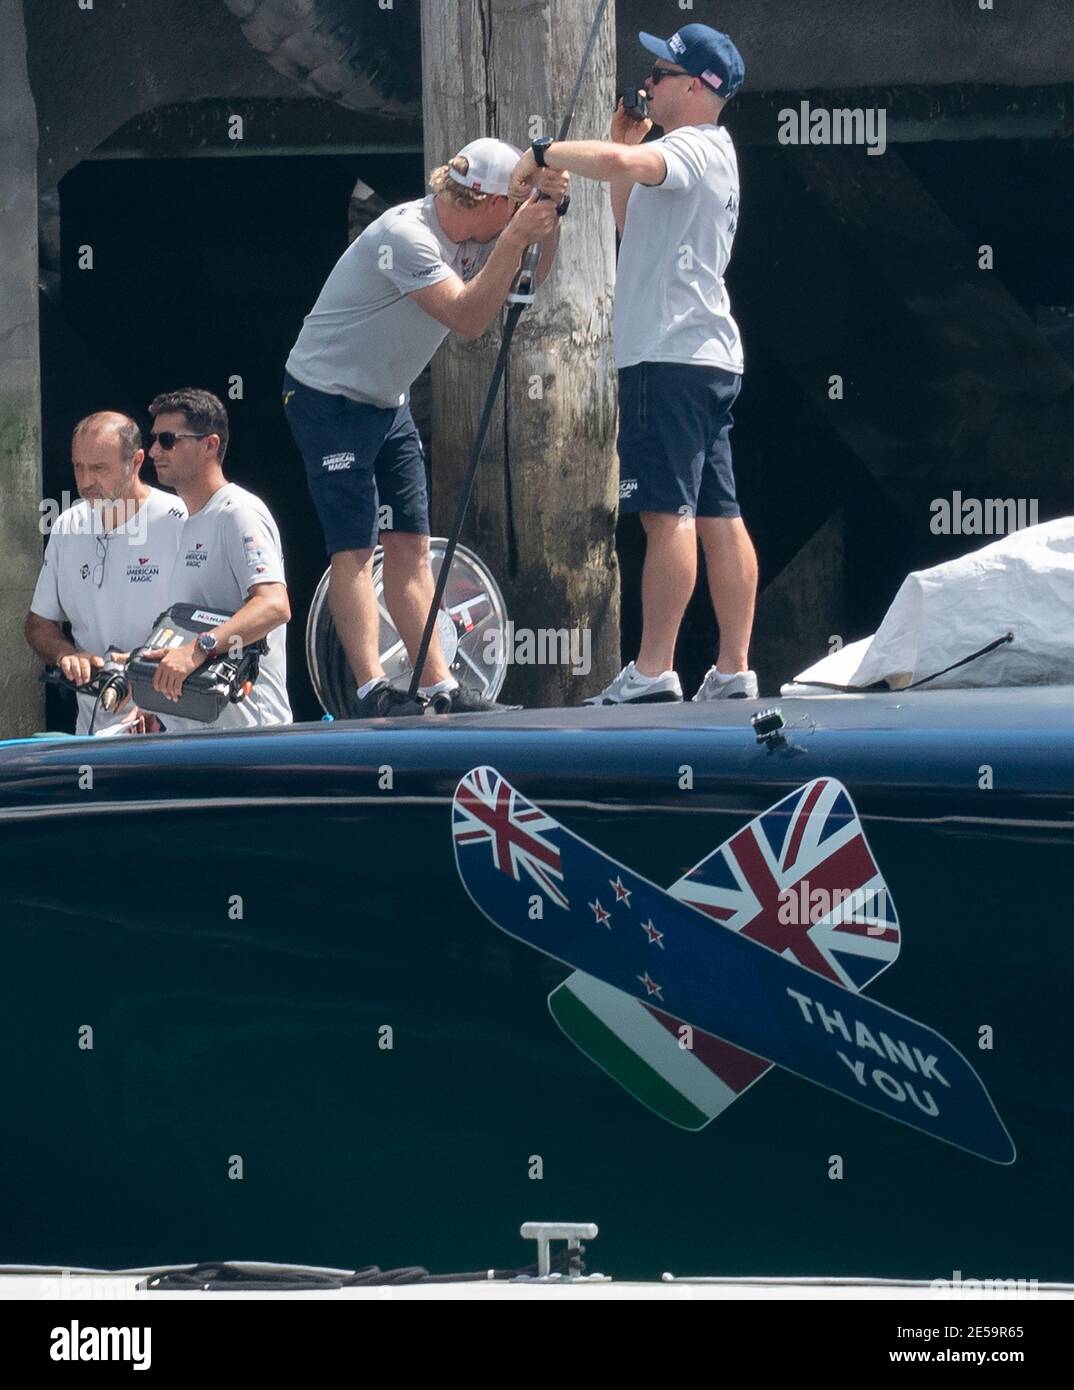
(438, 264)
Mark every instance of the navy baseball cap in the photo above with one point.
(704, 53)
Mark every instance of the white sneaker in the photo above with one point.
(741, 686)
(630, 687)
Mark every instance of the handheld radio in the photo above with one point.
(226, 679)
(635, 104)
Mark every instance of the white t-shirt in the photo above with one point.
(110, 586)
(671, 303)
(226, 548)
(364, 338)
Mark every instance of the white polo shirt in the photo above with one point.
(109, 585)
(671, 303)
(226, 548)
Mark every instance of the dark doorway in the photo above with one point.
(202, 272)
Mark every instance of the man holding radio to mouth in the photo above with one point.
(678, 353)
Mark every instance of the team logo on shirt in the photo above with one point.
(84, 571)
(332, 463)
(176, 511)
(256, 550)
(627, 488)
(142, 571)
(196, 556)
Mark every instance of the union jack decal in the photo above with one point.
(488, 810)
(802, 880)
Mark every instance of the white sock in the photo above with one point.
(440, 688)
(363, 690)
(724, 676)
(641, 676)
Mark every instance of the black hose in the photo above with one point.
(883, 685)
(215, 1276)
(513, 316)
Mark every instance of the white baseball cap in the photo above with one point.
(491, 164)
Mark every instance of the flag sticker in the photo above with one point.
(488, 811)
(814, 869)
(730, 962)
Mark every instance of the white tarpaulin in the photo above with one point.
(1022, 584)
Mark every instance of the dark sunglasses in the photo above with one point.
(166, 439)
(658, 74)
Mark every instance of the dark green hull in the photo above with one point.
(215, 1036)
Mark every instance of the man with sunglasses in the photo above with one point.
(229, 561)
(678, 353)
(438, 264)
(108, 561)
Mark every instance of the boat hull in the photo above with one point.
(239, 918)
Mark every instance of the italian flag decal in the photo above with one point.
(643, 1050)
(800, 878)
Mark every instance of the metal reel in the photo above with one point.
(472, 609)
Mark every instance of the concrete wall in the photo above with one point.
(93, 70)
(793, 44)
(20, 402)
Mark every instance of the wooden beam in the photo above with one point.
(543, 510)
(21, 706)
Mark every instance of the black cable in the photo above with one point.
(998, 642)
(883, 685)
(513, 316)
(216, 1276)
(96, 708)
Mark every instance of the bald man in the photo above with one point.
(108, 561)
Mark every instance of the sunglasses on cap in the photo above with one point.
(166, 439)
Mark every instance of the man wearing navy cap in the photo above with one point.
(678, 353)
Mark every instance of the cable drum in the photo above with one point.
(472, 625)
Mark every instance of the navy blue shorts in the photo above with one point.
(365, 466)
(675, 439)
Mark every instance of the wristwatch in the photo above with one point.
(561, 208)
(206, 644)
(540, 149)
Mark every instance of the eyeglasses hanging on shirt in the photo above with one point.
(102, 555)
